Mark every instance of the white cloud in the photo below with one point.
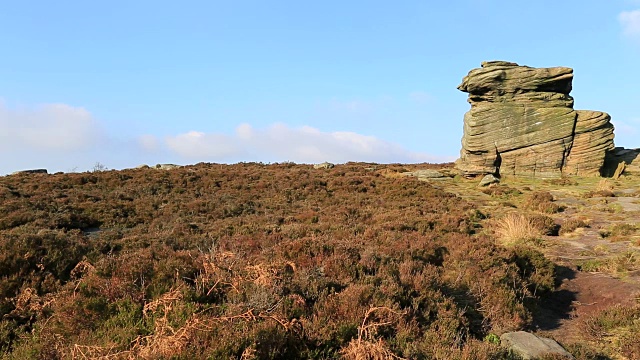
(280, 142)
(630, 21)
(49, 127)
(195, 144)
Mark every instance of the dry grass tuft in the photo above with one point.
(85, 352)
(604, 185)
(516, 228)
(368, 350)
(365, 347)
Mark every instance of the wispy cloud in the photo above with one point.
(195, 144)
(58, 137)
(630, 21)
(280, 142)
(49, 127)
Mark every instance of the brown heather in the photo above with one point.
(253, 261)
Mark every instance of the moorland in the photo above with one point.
(272, 261)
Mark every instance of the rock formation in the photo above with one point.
(522, 123)
(31, 171)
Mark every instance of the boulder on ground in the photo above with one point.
(31, 171)
(425, 174)
(324, 165)
(488, 180)
(167, 166)
(530, 346)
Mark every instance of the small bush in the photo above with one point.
(542, 201)
(603, 189)
(615, 265)
(545, 224)
(571, 225)
(619, 232)
(621, 324)
(599, 193)
(563, 181)
(501, 191)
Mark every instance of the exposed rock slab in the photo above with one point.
(31, 171)
(530, 346)
(167, 166)
(324, 165)
(426, 174)
(522, 123)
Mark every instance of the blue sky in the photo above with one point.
(130, 82)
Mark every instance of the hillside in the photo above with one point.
(253, 261)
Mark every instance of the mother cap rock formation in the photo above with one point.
(522, 123)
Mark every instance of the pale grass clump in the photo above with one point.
(516, 228)
(604, 185)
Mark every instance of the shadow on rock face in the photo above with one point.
(618, 155)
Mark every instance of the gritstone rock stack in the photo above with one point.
(522, 123)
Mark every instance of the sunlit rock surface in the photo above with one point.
(522, 123)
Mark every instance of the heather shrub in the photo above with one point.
(541, 201)
(502, 191)
(609, 321)
(618, 232)
(545, 224)
(602, 189)
(571, 225)
(254, 261)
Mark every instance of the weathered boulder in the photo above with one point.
(426, 174)
(530, 346)
(31, 171)
(488, 180)
(522, 122)
(167, 166)
(324, 165)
